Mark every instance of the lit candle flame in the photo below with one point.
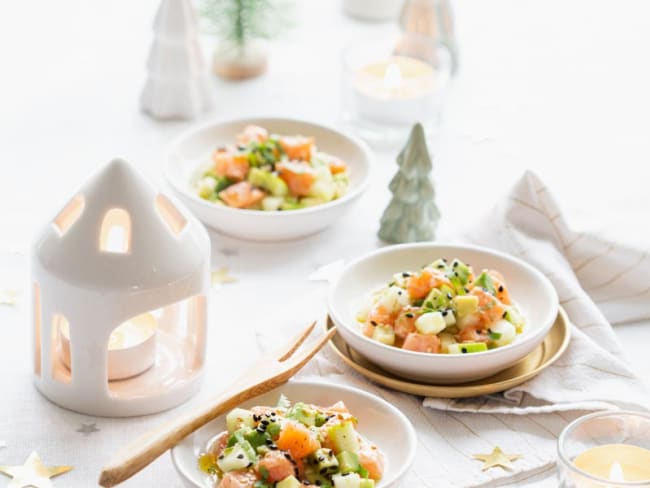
(616, 472)
(392, 77)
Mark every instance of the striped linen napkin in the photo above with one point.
(592, 280)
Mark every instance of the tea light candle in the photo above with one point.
(131, 347)
(616, 462)
(605, 450)
(394, 91)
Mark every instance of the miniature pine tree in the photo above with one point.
(177, 85)
(412, 214)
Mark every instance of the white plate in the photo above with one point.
(379, 422)
(189, 155)
(529, 289)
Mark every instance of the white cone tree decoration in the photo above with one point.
(412, 214)
(177, 84)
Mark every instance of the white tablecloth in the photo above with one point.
(557, 87)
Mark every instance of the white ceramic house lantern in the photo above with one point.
(120, 296)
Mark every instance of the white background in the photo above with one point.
(560, 87)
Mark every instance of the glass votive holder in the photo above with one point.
(391, 84)
(605, 450)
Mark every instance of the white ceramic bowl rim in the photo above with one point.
(411, 441)
(353, 192)
(452, 357)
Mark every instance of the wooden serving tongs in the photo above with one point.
(268, 373)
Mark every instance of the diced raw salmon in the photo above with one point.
(299, 177)
(231, 164)
(405, 321)
(372, 460)
(473, 333)
(297, 147)
(419, 285)
(380, 315)
(277, 466)
(253, 133)
(422, 342)
(490, 309)
(500, 285)
(297, 439)
(241, 195)
(336, 166)
(238, 479)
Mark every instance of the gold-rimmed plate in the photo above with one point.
(551, 348)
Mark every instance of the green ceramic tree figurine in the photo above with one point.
(412, 214)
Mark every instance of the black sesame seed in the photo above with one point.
(455, 264)
(287, 455)
(445, 260)
(345, 474)
(501, 289)
(221, 457)
(321, 459)
(373, 322)
(268, 442)
(504, 314)
(249, 464)
(449, 296)
(323, 471)
(256, 418)
(318, 482)
(297, 473)
(466, 289)
(273, 414)
(273, 447)
(240, 456)
(463, 350)
(265, 422)
(399, 292)
(444, 313)
(441, 266)
(409, 315)
(406, 275)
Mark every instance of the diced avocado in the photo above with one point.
(485, 281)
(317, 479)
(302, 413)
(465, 305)
(289, 482)
(436, 300)
(439, 264)
(502, 333)
(206, 186)
(430, 323)
(367, 483)
(467, 347)
(234, 458)
(263, 484)
(344, 437)
(268, 181)
(348, 480)
(459, 274)
(324, 461)
(384, 334)
(291, 204)
(273, 429)
(348, 462)
(239, 417)
(256, 439)
(320, 418)
(513, 316)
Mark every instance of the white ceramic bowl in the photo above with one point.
(189, 155)
(379, 421)
(531, 291)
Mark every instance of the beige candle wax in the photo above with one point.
(616, 462)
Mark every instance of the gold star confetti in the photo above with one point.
(222, 276)
(8, 297)
(33, 473)
(497, 458)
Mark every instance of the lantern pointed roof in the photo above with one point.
(120, 231)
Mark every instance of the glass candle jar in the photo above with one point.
(605, 450)
(388, 87)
